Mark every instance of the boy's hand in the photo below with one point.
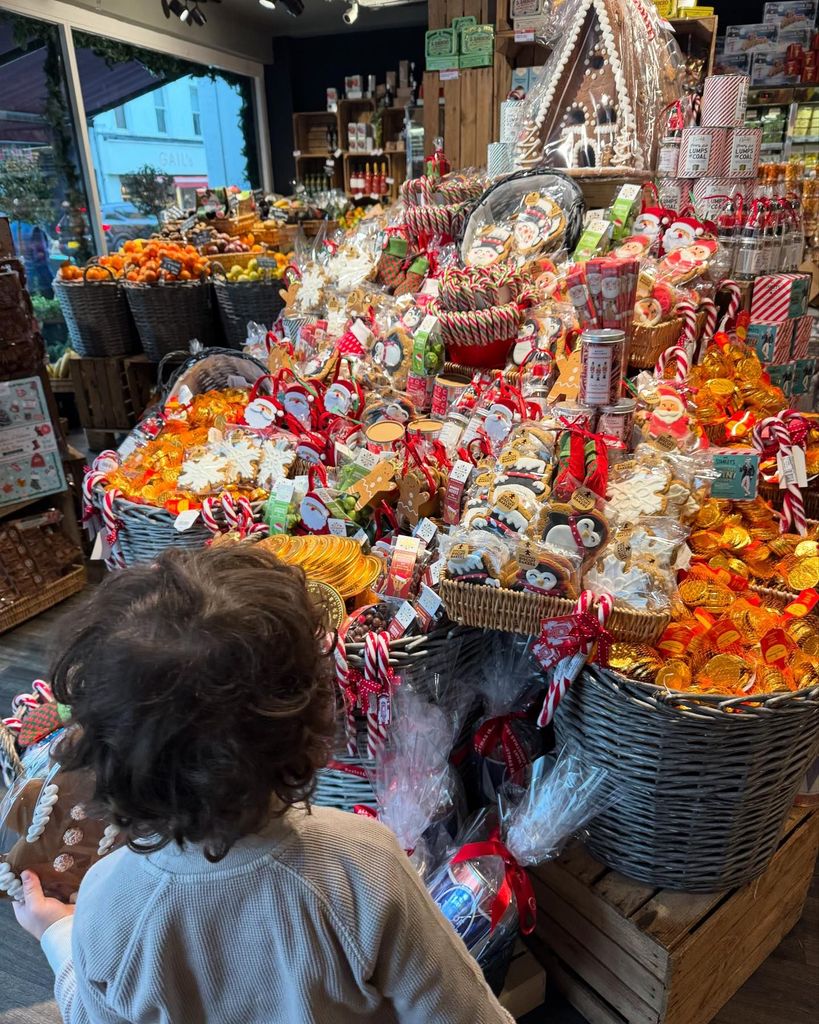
(35, 912)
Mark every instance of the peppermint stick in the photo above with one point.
(793, 506)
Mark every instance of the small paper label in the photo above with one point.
(425, 531)
(297, 153)
(266, 262)
(127, 446)
(427, 607)
(361, 332)
(401, 621)
(337, 154)
(527, 36)
(199, 238)
(458, 477)
(450, 75)
(361, 537)
(101, 549)
(787, 471)
(366, 459)
(185, 520)
(799, 466)
(432, 575)
(390, 181)
(337, 527)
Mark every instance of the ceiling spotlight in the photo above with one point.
(351, 14)
(198, 16)
(293, 7)
(185, 15)
(173, 7)
(269, 4)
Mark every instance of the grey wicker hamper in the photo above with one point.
(169, 316)
(97, 317)
(241, 302)
(702, 783)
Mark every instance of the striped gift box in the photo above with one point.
(724, 100)
(771, 341)
(702, 152)
(779, 296)
(801, 337)
(741, 157)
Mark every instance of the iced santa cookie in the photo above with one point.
(539, 222)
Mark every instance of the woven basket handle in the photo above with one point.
(216, 266)
(96, 266)
(163, 362)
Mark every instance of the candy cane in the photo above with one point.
(735, 292)
(376, 668)
(793, 506)
(683, 363)
(344, 677)
(710, 325)
(208, 517)
(688, 311)
(113, 525)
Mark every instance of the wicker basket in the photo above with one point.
(516, 611)
(443, 651)
(169, 316)
(235, 226)
(49, 595)
(97, 317)
(702, 784)
(229, 260)
(241, 302)
(649, 343)
(211, 369)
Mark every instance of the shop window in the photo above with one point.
(187, 127)
(41, 186)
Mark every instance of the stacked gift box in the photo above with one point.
(465, 44)
(780, 330)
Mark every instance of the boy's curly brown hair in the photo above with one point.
(200, 696)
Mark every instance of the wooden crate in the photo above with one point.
(627, 953)
(111, 394)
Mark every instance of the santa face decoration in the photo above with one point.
(634, 246)
(314, 513)
(339, 398)
(489, 247)
(669, 418)
(498, 423)
(260, 413)
(296, 403)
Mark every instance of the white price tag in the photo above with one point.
(390, 181)
(450, 75)
(527, 36)
(425, 531)
(405, 615)
(127, 446)
(799, 466)
(429, 600)
(337, 154)
(286, 488)
(361, 537)
(185, 520)
(337, 527)
(786, 469)
(101, 549)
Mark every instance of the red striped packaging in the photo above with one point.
(702, 152)
(710, 193)
(771, 342)
(801, 337)
(779, 296)
(674, 192)
(741, 157)
(724, 100)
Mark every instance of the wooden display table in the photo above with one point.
(626, 953)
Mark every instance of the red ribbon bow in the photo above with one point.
(499, 732)
(566, 635)
(515, 882)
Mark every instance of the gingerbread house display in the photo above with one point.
(596, 108)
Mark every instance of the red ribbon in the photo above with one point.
(364, 811)
(566, 635)
(515, 882)
(499, 732)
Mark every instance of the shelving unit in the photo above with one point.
(788, 101)
(313, 159)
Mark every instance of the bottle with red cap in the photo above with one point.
(749, 246)
(728, 223)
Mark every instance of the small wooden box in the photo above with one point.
(111, 394)
(626, 953)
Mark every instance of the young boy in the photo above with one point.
(203, 702)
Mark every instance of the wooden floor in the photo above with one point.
(785, 990)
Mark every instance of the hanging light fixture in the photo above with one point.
(188, 11)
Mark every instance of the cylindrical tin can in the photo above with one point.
(419, 388)
(424, 431)
(674, 192)
(384, 435)
(724, 100)
(668, 157)
(702, 152)
(447, 390)
(741, 158)
(709, 194)
(618, 421)
(601, 366)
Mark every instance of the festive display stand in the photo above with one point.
(625, 952)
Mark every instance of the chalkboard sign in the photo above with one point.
(198, 238)
(170, 266)
(233, 202)
(267, 262)
(191, 222)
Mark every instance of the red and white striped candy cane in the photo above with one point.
(232, 517)
(376, 669)
(249, 526)
(735, 292)
(24, 700)
(344, 678)
(688, 312)
(710, 326)
(793, 515)
(42, 688)
(208, 518)
(568, 669)
(14, 724)
(112, 526)
(682, 363)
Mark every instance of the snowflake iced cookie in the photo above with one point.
(636, 490)
(204, 473)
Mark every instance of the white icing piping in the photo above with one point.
(9, 882)
(109, 837)
(42, 812)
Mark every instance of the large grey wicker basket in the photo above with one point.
(97, 316)
(144, 530)
(169, 316)
(241, 302)
(702, 784)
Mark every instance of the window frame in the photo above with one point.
(68, 18)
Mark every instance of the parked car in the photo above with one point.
(123, 221)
